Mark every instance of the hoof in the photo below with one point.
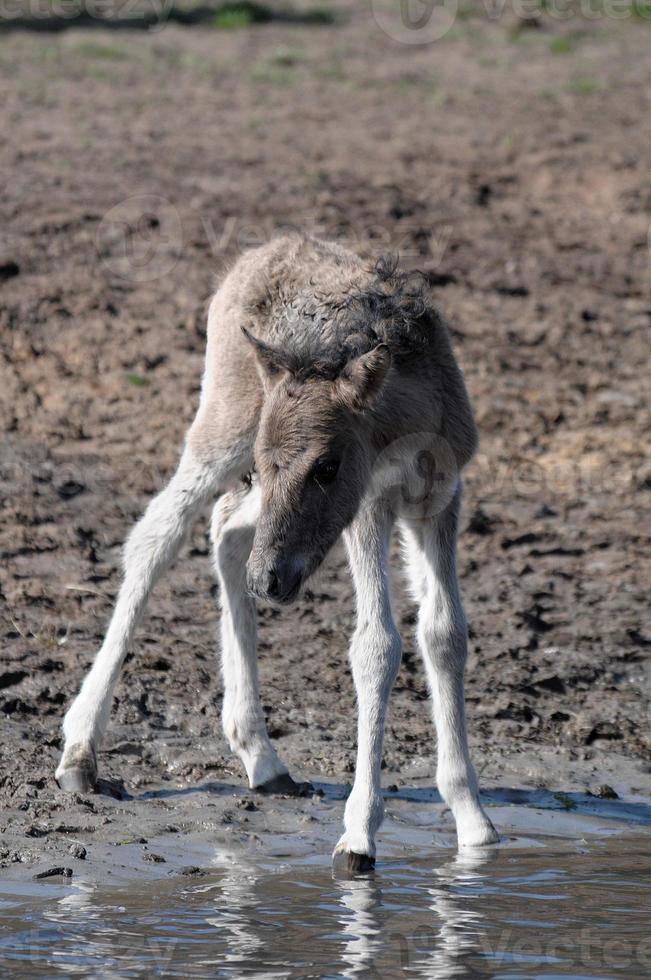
(284, 785)
(350, 863)
(76, 780)
(478, 836)
(77, 772)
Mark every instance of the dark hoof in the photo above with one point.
(78, 770)
(284, 785)
(350, 863)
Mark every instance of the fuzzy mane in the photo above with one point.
(392, 310)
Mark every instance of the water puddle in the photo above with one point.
(540, 907)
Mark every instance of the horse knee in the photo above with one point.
(231, 531)
(375, 653)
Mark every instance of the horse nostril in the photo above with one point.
(273, 584)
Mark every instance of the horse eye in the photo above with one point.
(325, 472)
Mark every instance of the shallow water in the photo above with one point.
(542, 907)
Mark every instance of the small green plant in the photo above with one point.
(101, 52)
(561, 45)
(234, 15)
(286, 57)
(243, 13)
(466, 10)
(138, 380)
(270, 74)
(280, 67)
(583, 86)
(407, 83)
(566, 801)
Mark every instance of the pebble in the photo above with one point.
(35, 831)
(605, 792)
(78, 851)
(246, 805)
(55, 872)
(8, 269)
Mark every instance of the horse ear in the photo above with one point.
(269, 361)
(362, 378)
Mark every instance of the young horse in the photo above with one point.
(331, 404)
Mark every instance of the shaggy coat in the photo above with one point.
(331, 405)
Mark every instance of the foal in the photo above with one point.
(331, 404)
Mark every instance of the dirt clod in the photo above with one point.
(55, 873)
(605, 792)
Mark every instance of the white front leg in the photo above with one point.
(150, 548)
(232, 530)
(430, 548)
(375, 658)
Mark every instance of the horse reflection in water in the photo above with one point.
(428, 945)
(245, 918)
(237, 907)
(381, 929)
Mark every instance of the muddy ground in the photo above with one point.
(508, 159)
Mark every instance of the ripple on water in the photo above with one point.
(554, 910)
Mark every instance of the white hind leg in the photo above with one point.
(232, 531)
(150, 548)
(430, 547)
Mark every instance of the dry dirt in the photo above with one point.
(512, 163)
